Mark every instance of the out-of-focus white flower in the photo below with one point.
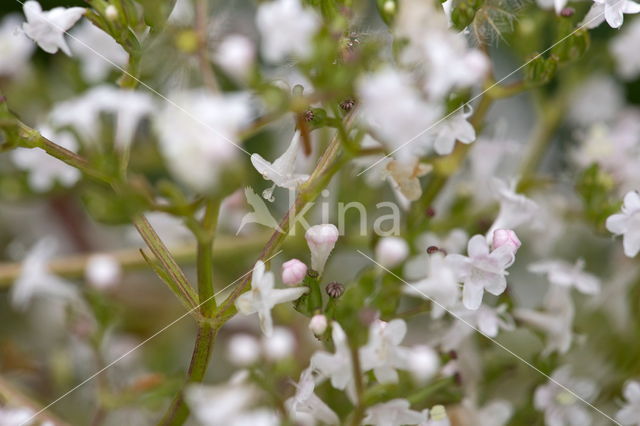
(394, 412)
(612, 11)
(293, 272)
(599, 99)
(495, 413)
(15, 48)
(44, 170)
(454, 242)
(515, 209)
(405, 177)
(437, 416)
(305, 401)
(321, 240)
(505, 237)
(287, 28)
(337, 366)
(318, 324)
(236, 55)
(454, 128)
(393, 108)
(565, 274)
(282, 171)
(98, 51)
(102, 271)
(263, 297)
(481, 270)
(280, 345)
(391, 251)
(422, 362)
(47, 29)
(243, 349)
(448, 61)
(629, 414)
(487, 319)
(383, 353)
(12, 416)
(441, 285)
(36, 280)
(182, 13)
(627, 224)
(625, 52)
(556, 320)
(560, 406)
(196, 136)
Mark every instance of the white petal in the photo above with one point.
(477, 246)
(472, 295)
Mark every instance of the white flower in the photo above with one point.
(321, 240)
(236, 55)
(494, 413)
(10, 416)
(36, 280)
(44, 170)
(481, 270)
(556, 320)
(405, 177)
(243, 350)
(337, 366)
(625, 52)
(263, 297)
(515, 209)
(287, 28)
(629, 415)
(196, 134)
(307, 402)
(48, 28)
(15, 48)
(437, 416)
(440, 285)
(86, 40)
(318, 324)
(393, 413)
(279, 345)
(102, 271)
(610, 10)
(383, 353)
(488, 320)
(282, 171)
(293, 272)
(627, 224)
(423, 362)
(391, 251)
(562, 407)
(452, 129)
(565, 274)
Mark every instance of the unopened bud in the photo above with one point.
(308, 115)
(506, 237)
(567, 12)
(334, 290)
(391, 251)
(318, 324)
(321, 240)
(293, 272)
(111, 12)
(347, 105)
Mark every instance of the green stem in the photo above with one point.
(358, 412)
(204, 260)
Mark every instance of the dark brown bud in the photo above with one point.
(347, 105)
(430, 212)
(432, 249)
(308, 115)
(567, 12)
(334, 290)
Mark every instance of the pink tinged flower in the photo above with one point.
(321, 240)
(293, 272)
(263, 297)
(503, 237)
(565, 274)
(481, 270)
(394, 412)
(629, 414)
(383, 353)
(47, 29)
(627, 224)
(391, 251)
(318, 324)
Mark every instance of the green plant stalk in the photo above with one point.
(358, 412)
(204, 261)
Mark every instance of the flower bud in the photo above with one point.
(318, 324)
(111, 12)
(321, 240)
(243, 350)
(506, 237)
(391, 251)
(280, 345)
(293, 272)
(334, 290)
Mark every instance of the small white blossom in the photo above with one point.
(488, 320)
(393, 413)
(263, 297)
(565, 274)
(612, 11)
(629, 414)
(383, 353)
(243, 349)
(423, 363)
(337, 366)
(102, 271)
(625, 52)
(305, 401)
(47, 29)
(36, 280)
(44, 170)
(321, 240)
(515, 209)
(236, 55)
(452, 129)
(560, 406)
(287, 28)
(481, 270)
(15, 48)
(279, 345)
(391, 251)
(86, 41)
(627, 224)
(494, 413)
(440, 285)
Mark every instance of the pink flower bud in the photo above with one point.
(293, 272)
(321, 240)
(503, 237)
(318, 324)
